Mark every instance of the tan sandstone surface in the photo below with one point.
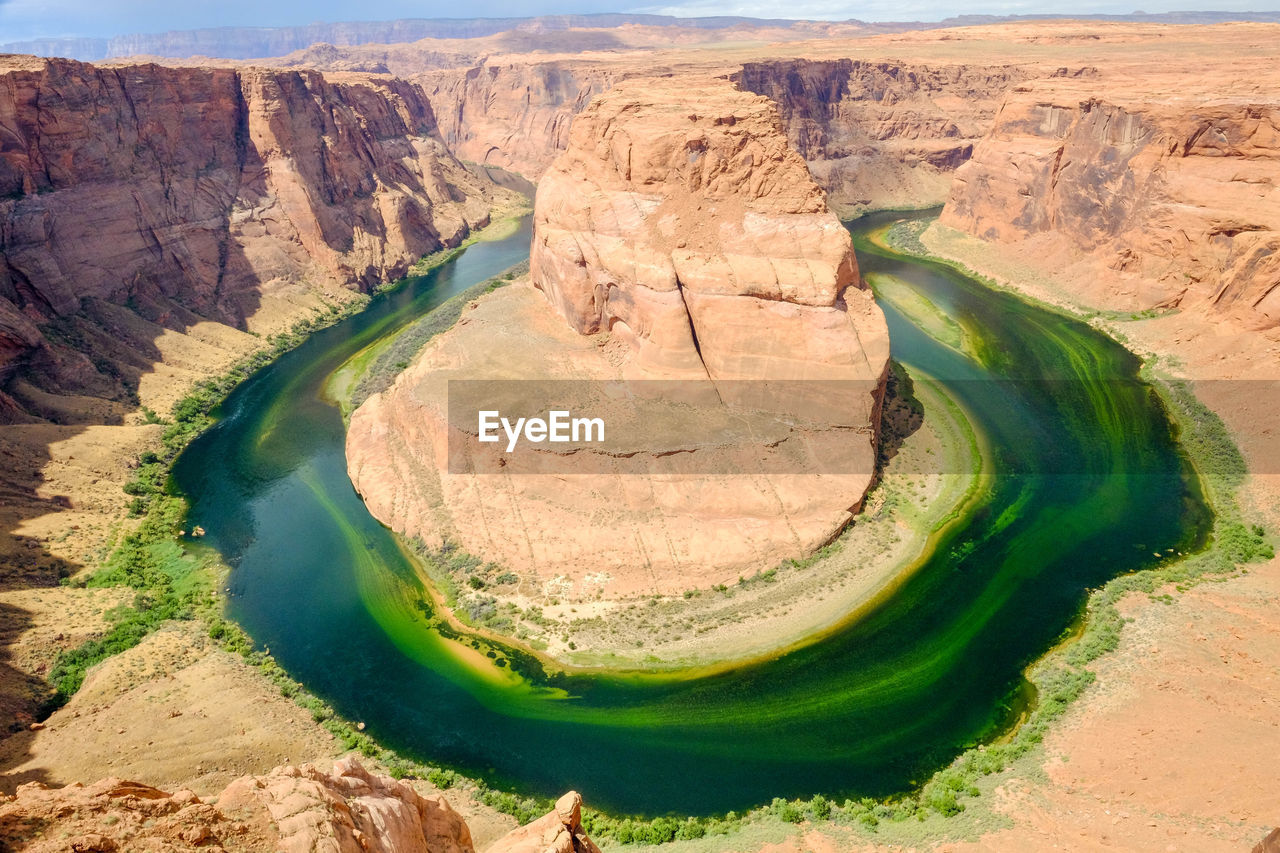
(290, 809)
(287, 810)
(1157, 194)
(672, 245)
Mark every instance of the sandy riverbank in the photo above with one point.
(1162, 751)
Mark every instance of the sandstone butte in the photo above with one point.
(678, 238)
(195, 194)
(289, 810)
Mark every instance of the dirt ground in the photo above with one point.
(176, 711)
(180, 712)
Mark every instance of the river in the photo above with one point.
(1088, 482)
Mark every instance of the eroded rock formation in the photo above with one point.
(558, 831)
(290, 810)
(882, 134)
(875, 134)
(1159, 202)
(680, 239)
(681, 221)
(199, 193)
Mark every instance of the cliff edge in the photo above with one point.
(193, 194)
(289, 810)
(678, 241)
(1149, 200)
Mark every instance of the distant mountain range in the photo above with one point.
(252, 42)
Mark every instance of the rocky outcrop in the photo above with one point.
(292, 810)
(558, 831)
(1155, 203)
(875, 134)
(680, 221)
(516, 115)
(678, 240)
(347, 809)
(197, 193)
(881, 134)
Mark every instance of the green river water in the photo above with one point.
(1087, 482)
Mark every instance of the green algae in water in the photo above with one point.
(1085, 467)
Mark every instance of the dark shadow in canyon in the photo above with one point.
(901, 415)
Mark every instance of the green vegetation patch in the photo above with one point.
(923, 313)
(171, 582)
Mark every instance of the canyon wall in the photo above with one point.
(191, 193)
(881, 134)
(1155, 203)
(517, 115)
(875, 134)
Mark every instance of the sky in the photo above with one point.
(25, 19)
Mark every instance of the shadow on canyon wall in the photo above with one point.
(145, 213)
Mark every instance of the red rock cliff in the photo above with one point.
(682, 221)
(1166, 201)
(881, 134)
(515, 115)
(875, 134)
(200, 190)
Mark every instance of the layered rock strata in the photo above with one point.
(681, 221)
(875, 134)
(1152, 201)
(679, 240)
(882, 134)
(194, 193)
(515, 115)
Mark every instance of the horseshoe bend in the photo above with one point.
(779, 435)
(684, 257)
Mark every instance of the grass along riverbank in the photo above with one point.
(927, 477)
(1061, 677)
(171, 582)
(349, 384)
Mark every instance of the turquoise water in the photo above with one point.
(1088, 482)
